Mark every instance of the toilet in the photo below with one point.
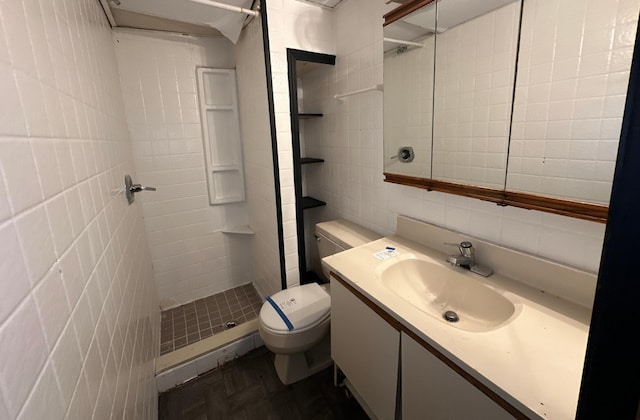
(294, 323)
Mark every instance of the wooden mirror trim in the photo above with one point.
(577, 209)
(402, 11)
(580, 210)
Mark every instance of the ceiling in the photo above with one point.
(183, 16)
(127, 19)
(327, 4)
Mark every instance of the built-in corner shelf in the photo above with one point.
(307, 160)
(306, 116)
(310, 202)
(239, 230)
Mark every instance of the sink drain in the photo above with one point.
(451, 316)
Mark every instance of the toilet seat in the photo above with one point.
(305, 306)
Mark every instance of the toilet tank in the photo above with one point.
(339, 235)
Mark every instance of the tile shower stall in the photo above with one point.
(84, 275)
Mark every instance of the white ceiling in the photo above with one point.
(127, 19)
(327, 4)
(227, 23)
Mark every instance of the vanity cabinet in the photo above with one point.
(396, 375)
(365, 347)
(432, 389)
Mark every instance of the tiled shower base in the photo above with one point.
(203, 318)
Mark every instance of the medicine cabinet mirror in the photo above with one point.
(519, 103)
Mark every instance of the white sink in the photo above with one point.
(436, 288)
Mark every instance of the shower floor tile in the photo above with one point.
(197, 320)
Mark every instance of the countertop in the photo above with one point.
(534, 361)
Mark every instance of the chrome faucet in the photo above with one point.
(466, 259)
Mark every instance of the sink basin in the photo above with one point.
(437, 289)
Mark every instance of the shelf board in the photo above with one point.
(239, 230)
(306, 116)
(307, 160)
(310, 202)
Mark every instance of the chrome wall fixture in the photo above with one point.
(405, 154)
(130, 189)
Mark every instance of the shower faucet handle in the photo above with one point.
(137, 188)
(130, 188)
(405, 154)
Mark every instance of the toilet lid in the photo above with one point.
(302, 305)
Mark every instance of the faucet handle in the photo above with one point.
(137, 188)
(130, 188)
(465, 247)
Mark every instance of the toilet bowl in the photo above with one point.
(294, 323)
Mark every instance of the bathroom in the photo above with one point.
(80, 269)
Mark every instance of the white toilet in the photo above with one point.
(294, 323)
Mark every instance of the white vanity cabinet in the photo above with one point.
(366, 348)
(431, 389)
(374, 351)
(524, 364)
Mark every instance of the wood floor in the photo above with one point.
(248, 388)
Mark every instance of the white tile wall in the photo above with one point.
(570, 90)
(292, 24)
(351, 180)
(78, 313)
(475, 66)
(192, 258)
(258, 160)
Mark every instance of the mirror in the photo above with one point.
(476, 44)
(552, 149)
(573, 72)
(408, 98)
(448, 79)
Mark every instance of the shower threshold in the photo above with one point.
(221, 348)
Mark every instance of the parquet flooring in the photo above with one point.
(248, 388)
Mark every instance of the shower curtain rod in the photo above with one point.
(225, 6)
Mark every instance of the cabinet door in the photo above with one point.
(430, 389)
(366, 348)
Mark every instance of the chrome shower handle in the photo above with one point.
(130, 188)
(137, 188)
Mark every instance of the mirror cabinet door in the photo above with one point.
(476, 45)
(408, 93)
(543, 136)
(573, 72)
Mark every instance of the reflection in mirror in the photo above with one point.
(573, 72)
(408, 93)
(476, 45)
